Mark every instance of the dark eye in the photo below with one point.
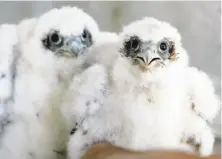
(135, 44)
(87, 37)
(163, 46)
(55, 38)
(84, 34)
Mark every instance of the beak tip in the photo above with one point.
(77, 50)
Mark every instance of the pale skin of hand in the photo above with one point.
(108, 151)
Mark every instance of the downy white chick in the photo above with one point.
(51, 51)
(149, 90)
(203, 106)
(8, 39)
(144, 101)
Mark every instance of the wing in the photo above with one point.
(88, 89)
(202, 93)
(8, 39)
(86, 94)
(198, 135)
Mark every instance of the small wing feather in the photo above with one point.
(85, 95)
(202, 93)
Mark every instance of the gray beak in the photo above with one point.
(75, 46)
(147, 57)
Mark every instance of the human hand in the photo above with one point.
(108, 151)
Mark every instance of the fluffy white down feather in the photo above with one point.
(143, 110)
(202, 92)
(89, 85)
(8, 39)
(205, 105)
(37, 128)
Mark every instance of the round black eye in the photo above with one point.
(132, 46)
(87, 37)
(135, 44)
(55, 38)
(84, 34)
(163, 46)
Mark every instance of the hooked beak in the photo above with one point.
(147, 58)
(75, 47)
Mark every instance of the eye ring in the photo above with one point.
(55, 38)
(163, 46)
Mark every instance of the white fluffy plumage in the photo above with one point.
(89, 84)
(205, 105)
(134, 113)
(148, 90)
(51, 50)
(8, 39)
